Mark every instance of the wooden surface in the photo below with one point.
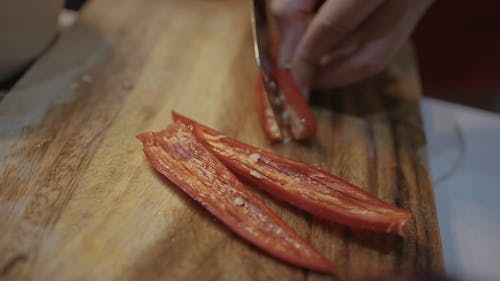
(79, 201)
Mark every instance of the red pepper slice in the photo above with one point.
(268, 119)
(300, 120)
(284, 113)
(303, 186)
(185, 161)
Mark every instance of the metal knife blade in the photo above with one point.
(261, 37)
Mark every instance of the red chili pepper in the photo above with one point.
(304, 186)
(268, 119)
(284, 113)
(300, 121)
(185, 161)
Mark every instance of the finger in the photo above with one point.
(379, 38)
(348, 46)
(366, 61)
(334, 20)
(292, 19)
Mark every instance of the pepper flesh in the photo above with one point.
(304, 186)
(300, 120)
(268, 119)
(285, 113)
(186, 162)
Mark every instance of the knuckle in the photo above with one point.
(289, 9)
(281, 9)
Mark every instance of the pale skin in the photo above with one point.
(344, 41)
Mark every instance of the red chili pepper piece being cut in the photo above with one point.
(297, 115)
(268, 119)
(304, 186)
(185, 161)
(283, 110)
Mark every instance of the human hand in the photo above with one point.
(345, 41)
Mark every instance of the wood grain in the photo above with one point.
(79, 201)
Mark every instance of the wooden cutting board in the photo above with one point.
(79, 201)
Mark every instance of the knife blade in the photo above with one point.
(261, 38)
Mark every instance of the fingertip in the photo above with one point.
(292, 17)
(302, 71)
(289, 10)
(279, 9)
(302, 83)
(290, 36)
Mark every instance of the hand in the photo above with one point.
(346, 40)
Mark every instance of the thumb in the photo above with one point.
(292, 19)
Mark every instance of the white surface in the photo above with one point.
(464, 155)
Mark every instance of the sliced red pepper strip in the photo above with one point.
(268, 120)
(303, 186)
(185, 161)
(284, 114)
(299, 119)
